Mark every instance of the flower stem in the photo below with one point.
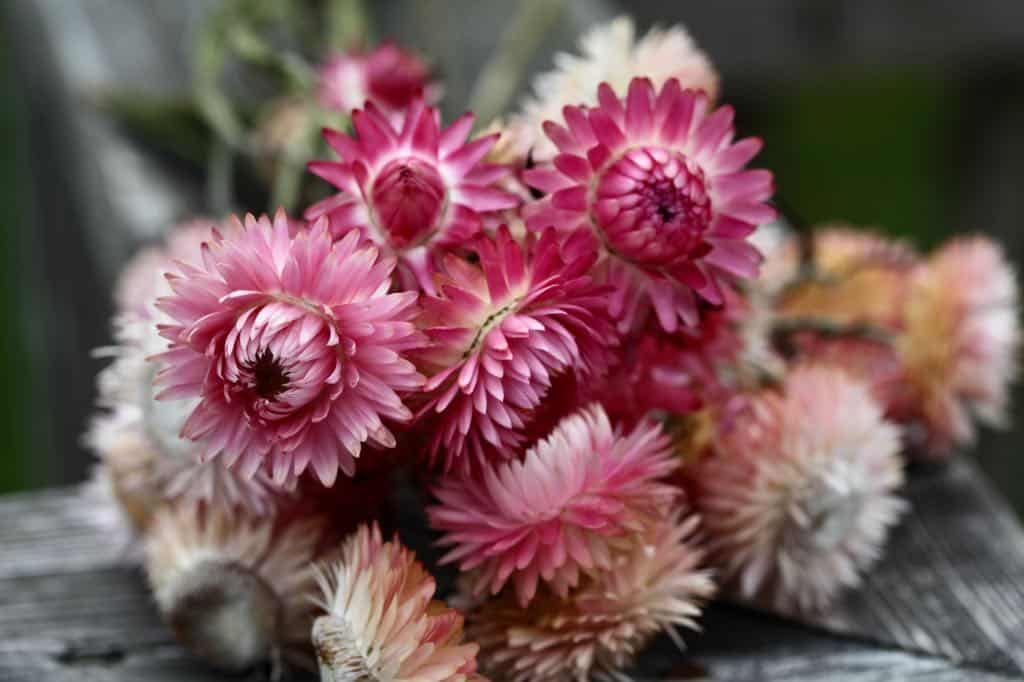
(501, 75)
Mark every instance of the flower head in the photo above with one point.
(564, 509)
(612, 54)
(860, 277)
(659, 182)
(672, 373)
(800, 491)
(411, 187)
(236, 591)
(382, 623)
(387, 76)
(294, 346)
(500, 332)
(137, 437)
(654, 587)
(960, 340)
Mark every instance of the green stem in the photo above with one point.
(348, 24)
(501, 75)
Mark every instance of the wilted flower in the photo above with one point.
(500, 332)
(566, 508)
(857, 277)
(388, 76)
(800, 491)
(236, 591)
(960, 341)
(294, 346)
(382, 623)
(410, 187)
(599, 628)
(660, 184)
(611, 54)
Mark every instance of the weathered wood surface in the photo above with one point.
(945, 604)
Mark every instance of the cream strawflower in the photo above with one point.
(611, 53)
(600, 628)
(800, 491)
(236, 591)
(382, 623)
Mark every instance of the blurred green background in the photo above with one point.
(904, 116)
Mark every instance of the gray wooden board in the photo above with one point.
(943, 605)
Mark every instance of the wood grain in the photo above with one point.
(944, 605)
(952, 581)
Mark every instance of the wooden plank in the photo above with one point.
(72, 609)
(952, 581)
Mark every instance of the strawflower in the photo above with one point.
(564, 510)
(658, 181)
(381, 623)
(410, 187)
(800, 492)
(294, 346)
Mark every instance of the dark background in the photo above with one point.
(907, 116)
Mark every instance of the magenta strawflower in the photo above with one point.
(387, 75)
(411, 187)
(658, 180)
(574, 501)
(500, 332)
(294, 345)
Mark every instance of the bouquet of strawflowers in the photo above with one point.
(581, 347)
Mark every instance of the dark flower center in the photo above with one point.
(268, 378)
(408, 199)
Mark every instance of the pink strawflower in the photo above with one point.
(500, 332)
(800, 490)
(382, 623)
(294, 345)
(598, 630)
(660, 183)
(138, 438)
(565, 509)
(960, 341)
(410, 187)
(388, 76)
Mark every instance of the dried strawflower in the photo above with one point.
(500, 332)
(676, 373)
(598, 629)
(800, 491)
(138, 438)
(565, 509)
(960, 341)
(388, 76)
(659, 182)
(611, 54)
(295, 347)
(236, 591)
(410, 187)
(382, 623)
(856, 277)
